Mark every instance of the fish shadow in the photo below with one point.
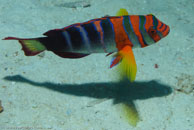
(120, 92)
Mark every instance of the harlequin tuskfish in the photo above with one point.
(108, 34)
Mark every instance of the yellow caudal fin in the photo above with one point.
(127, 66)
(31, 46)
(122, 12)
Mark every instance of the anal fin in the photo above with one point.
(70, 54)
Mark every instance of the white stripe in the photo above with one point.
(85, 37)
(67, 37)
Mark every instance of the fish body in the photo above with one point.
(108, 34)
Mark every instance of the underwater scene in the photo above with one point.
(97, 65)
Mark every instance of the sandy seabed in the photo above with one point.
(48, 92)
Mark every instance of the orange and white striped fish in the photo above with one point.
(108, 34)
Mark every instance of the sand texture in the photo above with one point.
(49, 92)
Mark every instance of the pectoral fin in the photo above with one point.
(127, 66)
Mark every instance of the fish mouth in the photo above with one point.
(168, 31)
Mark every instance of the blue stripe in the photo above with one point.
(133, 31)
(155, 22)
(96, 28)
(145, 33)
(161, 26)
(80, 33)
(164, 28)
(108, 34)
(131, 24)
(144, 24)
(85, 37)
(68, 39)
(141, 31)
(112, 27)
(125, 28)
(86, 33)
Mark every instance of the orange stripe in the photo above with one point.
(121, 37)
(135, 24)
(159, 24)
(149, 22)
(164, 26)
(166, 31)
(99, 29)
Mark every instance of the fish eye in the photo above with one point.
(152, 31)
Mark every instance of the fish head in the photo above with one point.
(156, 29)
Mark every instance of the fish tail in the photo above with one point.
(127, 65)
(31, 46)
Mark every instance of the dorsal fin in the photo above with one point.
(122, 12)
